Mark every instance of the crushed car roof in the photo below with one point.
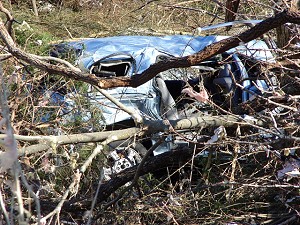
(145, 49)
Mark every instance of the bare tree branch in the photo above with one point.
(9, 157)
(149, 127)
(9, 18)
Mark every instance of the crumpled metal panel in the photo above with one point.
(145, 50)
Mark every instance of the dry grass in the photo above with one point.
(120, 17)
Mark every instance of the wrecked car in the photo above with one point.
(171, 94)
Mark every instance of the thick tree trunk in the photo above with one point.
(283, 36)
(287, 35)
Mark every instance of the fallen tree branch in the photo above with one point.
(149, 127)
(61, 61)
(168, 126)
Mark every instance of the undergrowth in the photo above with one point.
(207, 190)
